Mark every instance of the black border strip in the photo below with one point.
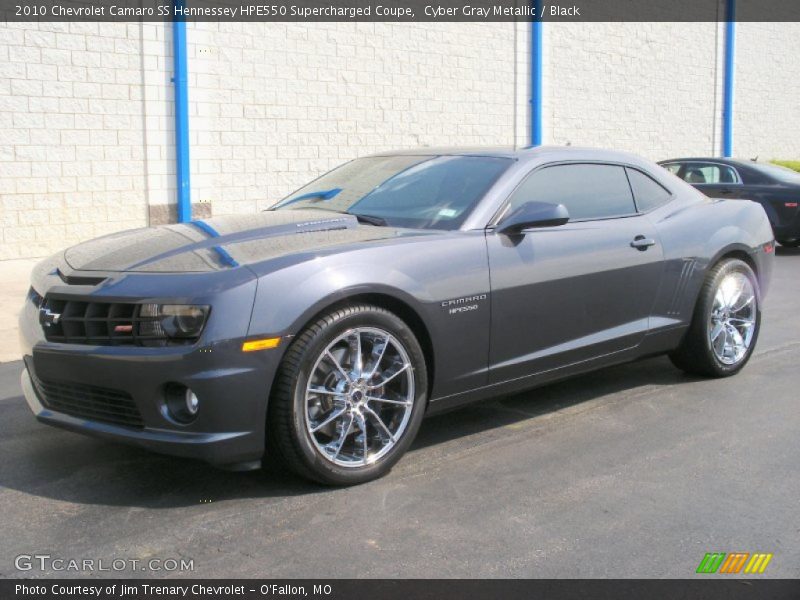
(393, 589)
(399, 10)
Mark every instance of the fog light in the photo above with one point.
(192, 403)
(181, 403)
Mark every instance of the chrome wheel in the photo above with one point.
(359, 397)
(733, 318)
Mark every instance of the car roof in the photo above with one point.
(742, 162)
(538, 153)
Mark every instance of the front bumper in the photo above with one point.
(232, 386)
(222, 449)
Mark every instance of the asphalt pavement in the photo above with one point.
(632, 471)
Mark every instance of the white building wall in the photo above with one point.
(86, 121)
(71, 147)
(648, 88)
(522, 96)
(158, 123)
(767, 98)
(274, 105)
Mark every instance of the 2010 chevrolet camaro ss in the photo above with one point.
(319, 332)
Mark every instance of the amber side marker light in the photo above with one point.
(265, 344)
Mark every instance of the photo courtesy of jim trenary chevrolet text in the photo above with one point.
(340, 299)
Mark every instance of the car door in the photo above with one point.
(569, 293)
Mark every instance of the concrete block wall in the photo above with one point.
(275, 106)
(649, 88)
(87, 143)
(72, 143)
(767, 100)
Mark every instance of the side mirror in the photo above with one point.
(533, 214)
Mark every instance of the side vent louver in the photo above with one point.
(687, 270)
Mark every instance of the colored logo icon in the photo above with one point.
(734, 562)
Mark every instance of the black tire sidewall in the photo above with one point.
(323, 469)
(726, 268)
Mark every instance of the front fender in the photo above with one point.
(421, 275)
(289, 299)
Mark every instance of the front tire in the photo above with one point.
(725, 325)
(349, 397)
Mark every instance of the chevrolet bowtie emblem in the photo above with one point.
(47, 317)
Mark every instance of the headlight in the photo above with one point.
(172, 320)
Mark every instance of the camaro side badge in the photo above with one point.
(47, 317)
(460, 305)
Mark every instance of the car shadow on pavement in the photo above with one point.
(43, 461)
(619, 381)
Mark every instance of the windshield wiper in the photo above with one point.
(370, 220)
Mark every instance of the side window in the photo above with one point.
(588, 191)
(673, 167)
(728, 175)
(709, 173)
(649, 194)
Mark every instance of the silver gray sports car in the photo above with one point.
(319, 332)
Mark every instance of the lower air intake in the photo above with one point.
(89, 402)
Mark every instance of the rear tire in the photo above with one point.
(349, 397)
(725, 325)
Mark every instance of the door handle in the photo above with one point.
(726, 191)
(642, 243)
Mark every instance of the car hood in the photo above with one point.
(224, 242)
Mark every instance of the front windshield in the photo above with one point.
(778, 172)
(421, 192)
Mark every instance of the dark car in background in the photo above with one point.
(775, 188)
(322, 330)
